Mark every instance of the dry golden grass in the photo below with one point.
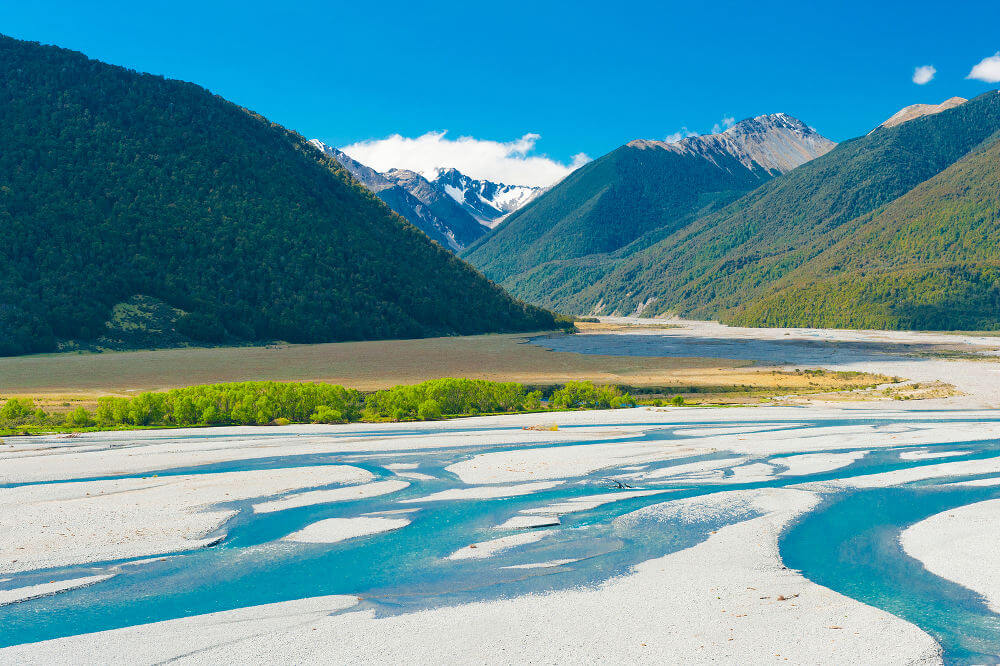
(750, 386)
(899, 391)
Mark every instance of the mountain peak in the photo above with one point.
(447, 173)
(450, 207)
(770, 120)
(914, 111)
(774, 142)
(485, 200)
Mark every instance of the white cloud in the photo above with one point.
(510, 162)
(987, 70)
(726, 123)
(923, 74)
(682, 133)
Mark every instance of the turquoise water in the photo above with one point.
(849, 543)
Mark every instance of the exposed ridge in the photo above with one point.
(914, 111)
(775, 142)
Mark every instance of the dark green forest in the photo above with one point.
(930, 259)
(116, 185)
(837, 241)
(629, 194)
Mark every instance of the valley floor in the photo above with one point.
(766, 534)
(361, 365)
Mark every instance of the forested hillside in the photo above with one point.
(636, 195)
(720, 265)
(115, 184)
(930, 259)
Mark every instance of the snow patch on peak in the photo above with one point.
(455, 193)
(485, 200)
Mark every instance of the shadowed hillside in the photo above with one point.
(115, 184)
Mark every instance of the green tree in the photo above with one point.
(325, 414)
(79, 417)
(429, 410)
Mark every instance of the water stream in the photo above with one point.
(849, 543)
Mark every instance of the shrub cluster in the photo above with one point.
(260, 403)
(241, 403)
(452, 396)
(585, 395)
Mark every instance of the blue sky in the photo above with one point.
(584, 76)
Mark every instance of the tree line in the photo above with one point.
(281, 403)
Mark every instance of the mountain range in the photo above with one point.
(451, 208)
(123, 192)
(631, 198)
(128, 197)
(485, 200)
(894, 229)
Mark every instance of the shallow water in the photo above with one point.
(843, 543)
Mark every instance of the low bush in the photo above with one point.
(429, 410)
(262, 403)
(584, 395)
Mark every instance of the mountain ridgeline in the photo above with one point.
(632, 198)
(453, 209)
(861, 237)
(116, 184)
(414, 198)
(895, 229)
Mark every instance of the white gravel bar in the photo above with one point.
(45, 589)
(333, 530)
(499, 545)
(961, 545)
(485, 492)
(714, 603)
(48, 525)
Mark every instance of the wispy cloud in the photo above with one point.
(682, 133)
(987, 70)
(510, 162)
(726, 123)
(923, 74)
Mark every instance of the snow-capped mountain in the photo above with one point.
(415, 199)
(452, 208)
(461, 225)
(487, 201)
